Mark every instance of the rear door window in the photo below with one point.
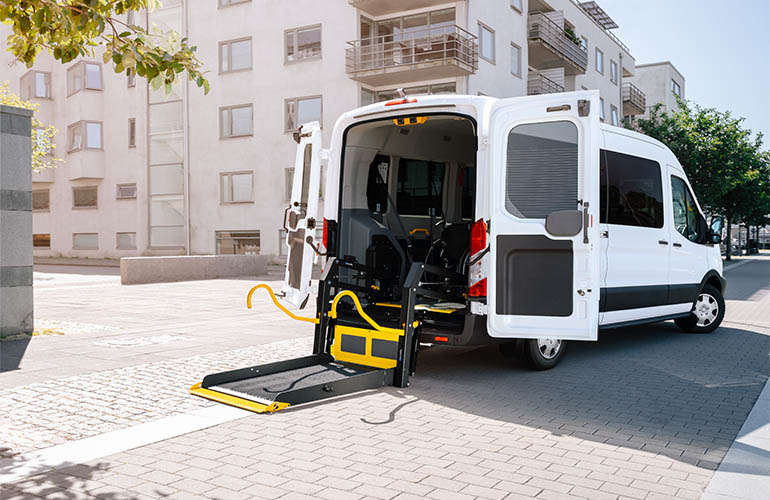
(420, 187)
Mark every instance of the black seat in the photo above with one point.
(456, 239)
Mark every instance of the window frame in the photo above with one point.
(604, 215)
(229, 44)
(441, 195)
(231, 237)
(296, 100)
(613, 72)
(699, 238)
(676, 89)
(483, 26)
(230, 117)
(514, 48)
(132, 132)
(295, 32)
(596, 60)
(223, 175)
(32, 74)
(81, 66)
(48, 205)
(126, 184)
(80, 188)
(222, 5)
(614, 117)
(117, 240)
(602, 116)
(83, 124)
(520, 7)
(130, 79)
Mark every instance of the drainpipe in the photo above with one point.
(186, 139)
(620, 88)
(468, 27)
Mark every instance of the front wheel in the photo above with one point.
(544, 354)
(708, 313)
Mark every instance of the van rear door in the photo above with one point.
(544, 167)
(300, 217)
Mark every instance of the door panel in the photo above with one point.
(687, 256)
(301, 216)
(543, 159)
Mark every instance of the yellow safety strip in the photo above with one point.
(366, 359)
(236, 401)
(315, 321)
(387, 304)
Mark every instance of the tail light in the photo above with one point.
(325, 239)
(477, 276)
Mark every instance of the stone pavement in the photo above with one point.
(647, 412)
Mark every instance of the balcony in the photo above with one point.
(382, 7)
(540, 84)
(85, 165)
(430, 53)
(549, 47)
(634, 100)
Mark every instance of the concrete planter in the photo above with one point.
(138, 270)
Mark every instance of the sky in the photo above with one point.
(721, 47)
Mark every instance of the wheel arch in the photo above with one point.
(714, 279)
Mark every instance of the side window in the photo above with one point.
(685, 211)
(377, 184)
(420, 187)
(541, 172)
(632, 190)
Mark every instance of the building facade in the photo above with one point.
(147, 173)
(661, 82)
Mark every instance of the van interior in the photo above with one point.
(408, 191)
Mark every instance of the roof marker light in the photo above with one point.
(400, 101)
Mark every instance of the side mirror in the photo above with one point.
(715, 229)
(564, 223)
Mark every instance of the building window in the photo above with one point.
(132, 132)
(371, 96)
(226, 3)
(486, 43)
(90, 131)
(599, 61)
(303, 110)
(42, 240)
(235, 121)
(235, 55)
(613, 115)
(84, 75)
(131, 79)
(676, 89)
(515, 60)
(237, 242)
(302, 43)
(584, 43)
(236, 187)
(85, 241)
(35, 84)
(125, 241)
(613, 72)
(288, 182)
(601, 108)
(631, 192)
(516, 4)
(41, 200)
(126, 192)
(85, 197)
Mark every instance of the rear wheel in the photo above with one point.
(544, 354)
(708, 313)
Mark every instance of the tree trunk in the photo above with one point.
(729, 240)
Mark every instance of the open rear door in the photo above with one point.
(544, 167)
(300, 217)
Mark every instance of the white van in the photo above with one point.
(552, 223)
(466, 220)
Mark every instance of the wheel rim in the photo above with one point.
(549, 348)
(706, 309)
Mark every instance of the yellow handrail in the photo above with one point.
(315, 321)
(366, 317)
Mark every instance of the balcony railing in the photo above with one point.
(634, 100)
(540, 84)
(424, 51)
(552, 37)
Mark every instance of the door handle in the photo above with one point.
(605, 234)
(663, 242)
(678, 245)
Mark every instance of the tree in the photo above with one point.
(74, 28)
(722, 161)
(42, 135)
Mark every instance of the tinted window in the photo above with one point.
(685, 211)
(420, 187)
(632, 190)
(541, 169)
(377, 184)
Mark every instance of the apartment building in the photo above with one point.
(147, 173)
(661, 82)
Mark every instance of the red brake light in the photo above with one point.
(325, 239)
(479, 289)
(400, 101)
(478, 237)
(442, 339)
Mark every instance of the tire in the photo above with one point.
(708, 312)
(544, 354)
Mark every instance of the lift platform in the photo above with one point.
(350, 354)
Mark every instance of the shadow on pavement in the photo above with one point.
(11, 353)
(648, 388)
(747, 281)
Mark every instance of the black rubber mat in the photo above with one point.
(266, 388)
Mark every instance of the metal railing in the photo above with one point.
(608, 32)
(633, 95)
(549, 33)
(441, 43)
(540, 84)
